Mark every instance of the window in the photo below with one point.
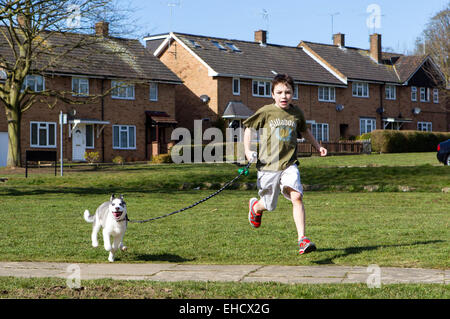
(366, 125)
(232, 47)
(425, 126)
(390, 92)
(122, 90)
(34, 83)
(124, 137)
(261, 88)
(42, 134)
(80, 86)
(424, 95)
(327, 94)
(320, 131)
(218, 45)
(153, 91)
(295, 94)
(360, 89)
(195, 44)
(89, 136)
(236, 86)
(435, 95)
(413, 93)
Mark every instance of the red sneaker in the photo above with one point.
(253, 217)
(305, 246)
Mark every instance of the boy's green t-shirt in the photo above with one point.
(278, 132)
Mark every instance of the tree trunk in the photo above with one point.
(14, 154)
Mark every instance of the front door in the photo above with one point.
(78, 143)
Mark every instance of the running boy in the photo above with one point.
(282, 123)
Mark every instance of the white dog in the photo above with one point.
(112, 216)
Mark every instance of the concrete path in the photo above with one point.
(237, 273)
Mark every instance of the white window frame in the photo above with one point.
(34, 78)
(414, 93)
(119, 87)
(76, 87)
(265, 85)
(232, 47)
(295, 93)
(331, 92)
(45, 126)
(90, 142)
(320, 131)
(425, 126)
(360, 89)
(390, 92)
(218, 45)
(424, 94)
(123, 129)
(236, 86)
(367, 125)
(153, 91)
(435, 95)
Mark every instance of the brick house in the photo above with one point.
(343, 91)
(132, 117)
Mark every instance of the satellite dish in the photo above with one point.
(205, 98)
(416, 111)
(339, 107)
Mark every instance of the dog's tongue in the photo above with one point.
(117, 214)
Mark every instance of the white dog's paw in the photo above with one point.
(111, 257)
(108, 247)
(95, 244)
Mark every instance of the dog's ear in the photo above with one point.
(112, 197)
(121, 197)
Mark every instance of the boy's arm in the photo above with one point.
(310, 138)
(247, 144)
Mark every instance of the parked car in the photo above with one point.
(443, 152)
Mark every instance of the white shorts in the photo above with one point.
(270, 184)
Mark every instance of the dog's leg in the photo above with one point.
(95, 230)
(106, 240)
(115, 246)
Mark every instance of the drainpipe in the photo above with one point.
(102, 102)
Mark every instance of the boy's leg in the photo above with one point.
(298, 210)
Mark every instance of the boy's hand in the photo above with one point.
(323, 151)
(251, 156)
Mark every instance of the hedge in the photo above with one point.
(392, 141)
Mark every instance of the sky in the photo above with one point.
(399, 22)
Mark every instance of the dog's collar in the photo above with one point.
(123, 219)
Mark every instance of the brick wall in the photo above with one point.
(116, 111)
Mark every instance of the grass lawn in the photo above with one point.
(42, 221)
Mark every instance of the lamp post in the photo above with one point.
(62, 121)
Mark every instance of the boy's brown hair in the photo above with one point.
(282, 78)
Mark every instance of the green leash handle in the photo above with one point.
(244, 170)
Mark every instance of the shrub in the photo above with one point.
(391, 141)
(161, 158)
(91, 157)
(118, 160)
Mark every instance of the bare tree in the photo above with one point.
(38, 36)
(435, 42)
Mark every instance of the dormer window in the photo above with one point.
(232, 47)
(218, 45)
(195, 44)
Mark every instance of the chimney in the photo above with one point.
(261, 36)
(339, 39)
(102, 28)
(375, 47)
